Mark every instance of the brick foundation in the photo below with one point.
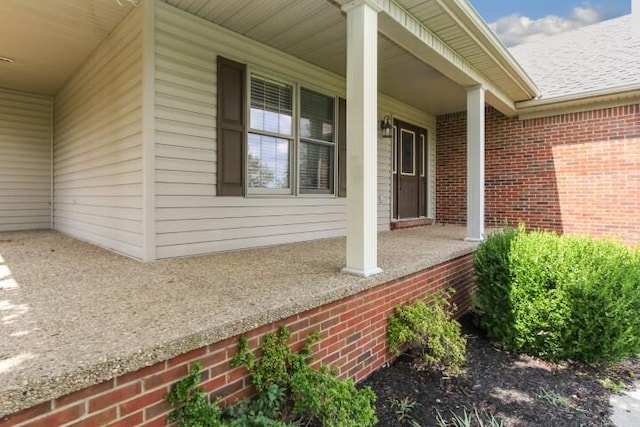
(354, 342)
(575, 173)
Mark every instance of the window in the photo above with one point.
(272, 140)
(270, 137)
(407, 156)
(317, 142)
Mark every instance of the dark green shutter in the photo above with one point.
(231, 122)
(342, 147)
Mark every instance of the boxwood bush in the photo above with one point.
(559, 297)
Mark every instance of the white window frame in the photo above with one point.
(299, 138)
(250, 191)
(295, 139)
(401, 161)
(423, 158)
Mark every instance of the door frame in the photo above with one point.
(422, 169)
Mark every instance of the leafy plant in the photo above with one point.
(320, 396)
(615, 387)
(317, 395)
(192, 408)
(493, 273)
(278, 362)
(468, 419)
(553, 398)
(428, 330)
(262, 411)
(559, 297)
(403, 410)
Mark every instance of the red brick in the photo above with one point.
(187, 357)
(130, 421)
(166, 377)
(59, 417)
(114, 397)
(160, 408)
(98, 420)
(27, 414)
(142, 401)
(83, 394)
(140, 373)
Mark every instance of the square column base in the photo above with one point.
(361, 273)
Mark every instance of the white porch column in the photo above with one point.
(362, 137)
(475, 163)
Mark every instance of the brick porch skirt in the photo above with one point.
(354, 342)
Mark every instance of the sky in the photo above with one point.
(519, 21)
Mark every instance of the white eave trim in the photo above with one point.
(597, 99)
(490, 43)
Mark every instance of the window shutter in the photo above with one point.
(342, 147)
(231, 127)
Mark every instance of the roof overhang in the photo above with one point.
(453, 38)
(622, 95)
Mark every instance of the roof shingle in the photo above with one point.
(600, 56)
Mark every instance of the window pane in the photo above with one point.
(271, 106)
(316, 168)
(316, 116)
(408, 155)
(268, 162)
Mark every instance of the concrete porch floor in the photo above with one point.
(74, 315)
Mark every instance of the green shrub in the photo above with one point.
(319, 396)
(192, 408)
(288, 390)
(491, 263)
(429, 331)
(559, 297)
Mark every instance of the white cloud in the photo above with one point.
(517, 29)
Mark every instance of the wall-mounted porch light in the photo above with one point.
(387, 128)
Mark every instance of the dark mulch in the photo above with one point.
(519, 390)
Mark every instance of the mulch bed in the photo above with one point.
(519, 390)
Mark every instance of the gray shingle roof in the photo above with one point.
(600, 56)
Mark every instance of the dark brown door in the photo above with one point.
(409, 172)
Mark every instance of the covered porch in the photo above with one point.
(74, 315)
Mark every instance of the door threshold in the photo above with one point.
(408, 223)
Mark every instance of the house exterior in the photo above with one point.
(177, 128)
(134, 151)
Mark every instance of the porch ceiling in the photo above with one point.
(315, 31)
(49, 40)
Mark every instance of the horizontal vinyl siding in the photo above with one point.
(25, 161)
(98, 145)
(190, 219)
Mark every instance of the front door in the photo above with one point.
(409, 171)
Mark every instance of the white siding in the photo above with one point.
(98, 145)
(190, 218)
(25, 161)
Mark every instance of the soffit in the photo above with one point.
(316, 31)
(457, 24)
(49, 39)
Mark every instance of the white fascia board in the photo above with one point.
(476, 28)
(604, 98)
(404, 29)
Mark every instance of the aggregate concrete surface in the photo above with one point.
(74, 315)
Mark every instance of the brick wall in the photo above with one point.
(576, 173)
(354, 342)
